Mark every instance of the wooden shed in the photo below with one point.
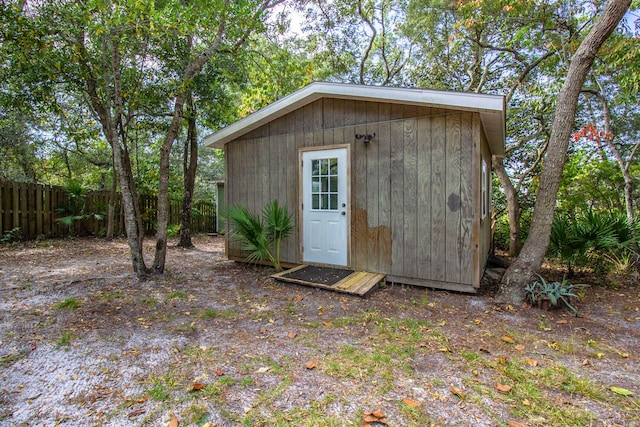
(385, 180)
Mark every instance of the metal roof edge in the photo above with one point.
(490, 104)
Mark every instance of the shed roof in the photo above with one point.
(490, 107)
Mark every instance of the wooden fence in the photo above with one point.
(34, 209)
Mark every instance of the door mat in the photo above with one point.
(335, 279)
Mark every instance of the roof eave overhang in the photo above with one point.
(490, 107)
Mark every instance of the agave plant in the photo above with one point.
(262, 237)
(554, 292)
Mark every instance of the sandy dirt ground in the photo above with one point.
(219, 343)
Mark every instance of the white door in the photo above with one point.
(325, 210)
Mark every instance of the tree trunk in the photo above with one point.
(513, 207)
(111, 212)
(163, 186)
(190, 164)
(523, 270)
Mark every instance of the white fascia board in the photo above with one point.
(481, 103)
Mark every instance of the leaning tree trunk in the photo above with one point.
(523, 270)
(190, 164)
(513, 206)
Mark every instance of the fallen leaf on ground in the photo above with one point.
(621, 391)
(263, 369)
(376, 416)
(292, 335)
(411, 403)
(526, 402)
(197, 386)
(519, 347)
(173, 423)
(299, 297)
(503, 387)
(562, 322)
(586, 362)
(516, 424)
(136, 413)
(311, 364)
(531, 362)
(458, 392)
(508, 339)
(219, 372)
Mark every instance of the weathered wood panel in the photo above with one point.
(410, 213)
(423, 197)
(359, 232)
(383, 141)
(453, 203)
(372, 190)
(467, 217)
(397, 191)
(438, 197)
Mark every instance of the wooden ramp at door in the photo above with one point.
(334, 279)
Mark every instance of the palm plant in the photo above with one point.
(261, 237)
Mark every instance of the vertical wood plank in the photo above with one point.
(317, 122)
(292, 188)
(275, 165)
(453, 202)
(466, 200)
(373, 199)
(423, 198)
(478, 239)
(328, 122)
(283, 173)
(410, 192)
(299, 136)
(39, 191)
(15, 194)
(438, 198)
(359, 213)
(397, 191)
(308, 125)
(384, 188)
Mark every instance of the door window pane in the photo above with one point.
(324, 184)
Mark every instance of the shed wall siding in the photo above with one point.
(413, 188)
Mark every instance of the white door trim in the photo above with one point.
(346, 199)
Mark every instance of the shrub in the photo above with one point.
(261, 237)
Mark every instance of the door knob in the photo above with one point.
(343, 213)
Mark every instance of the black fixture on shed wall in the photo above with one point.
(367, 137)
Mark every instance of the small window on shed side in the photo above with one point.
(485, 192)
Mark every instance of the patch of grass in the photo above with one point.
(363, 317)
(64, 340)
(160, 387)
(185, 327)
(150, 302)
(415, 416)
(176, 295)
(304, 416)
(67, 304)
(212, 313)
(9, 359)
(195, 414)
(291, 309)
(108, 297)
(263, 400)
(533, 396)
